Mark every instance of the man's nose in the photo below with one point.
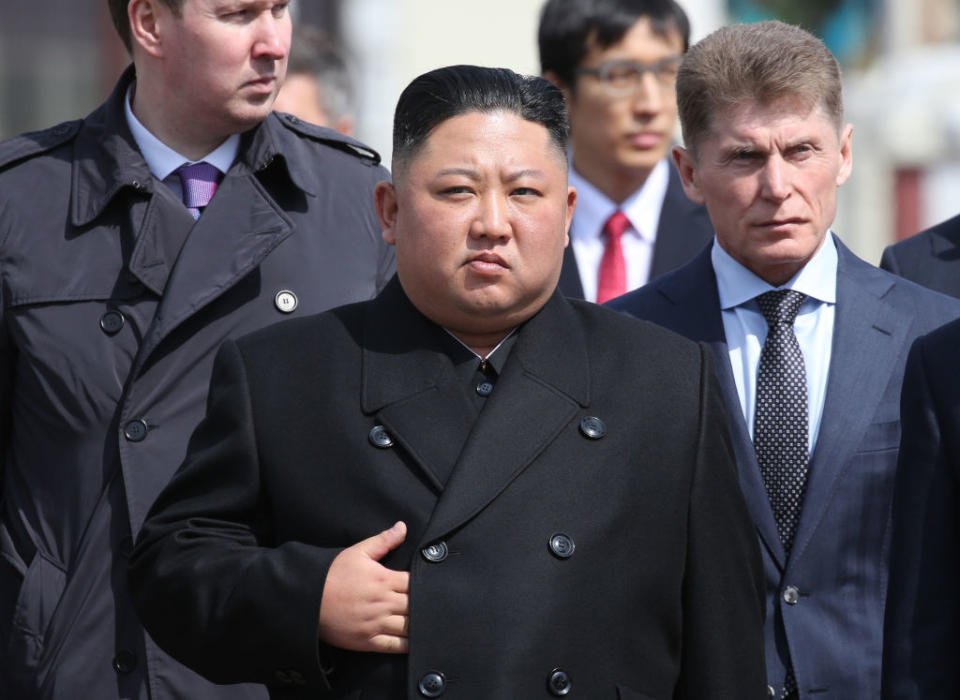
(775, 179)
(647, 97)
(273, 36)
(492, 219)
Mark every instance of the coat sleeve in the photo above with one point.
(921, 633)
(208, 586)
(723, 589)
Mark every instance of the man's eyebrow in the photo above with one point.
(527, 172)
(466, 172)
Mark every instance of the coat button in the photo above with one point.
(111, 322)
(791, 595)
(379, 437)
(136, 430)
(593, 427)
(432, 684)
(125, 662)
(286, 301)
(559, 683)
(484, 388)
(562, 546)
(435, 553)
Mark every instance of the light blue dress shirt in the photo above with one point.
(746, 328)
(163, 160)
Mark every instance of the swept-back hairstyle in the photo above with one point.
(569, 28)
(760, 62)
(441, 94)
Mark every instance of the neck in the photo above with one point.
(179, 132)
(616, 183)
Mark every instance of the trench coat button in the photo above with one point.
(484, 388)
(379, 437)
(435, 553)
(286, 301)
(432, 684)
(562, 546)
(791, 595)
(593, 427)
(125, 662)
(111, 322)
(559, 682)
(136, 430)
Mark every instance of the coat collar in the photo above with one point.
(107, 160)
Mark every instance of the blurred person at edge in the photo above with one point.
(616, 62)
(318, 88)
(119, 278)
(810, 344)
(480, 489)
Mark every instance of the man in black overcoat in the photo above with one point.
(469, 487)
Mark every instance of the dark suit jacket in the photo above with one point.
(683, 230)
(839, 557)
(931, 258)
(922, 633)
(661, 598)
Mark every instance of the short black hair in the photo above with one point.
(444, 93)
(569, 27)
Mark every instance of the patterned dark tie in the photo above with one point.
(780, 425)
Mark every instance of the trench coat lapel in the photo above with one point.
(693, 292)
(544, 383)
(410, 386)
(868, 335)
(238, 229)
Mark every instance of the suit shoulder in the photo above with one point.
(35, 143)
(327, 137)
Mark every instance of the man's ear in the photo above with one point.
(687, 168)
(145, 26)
(571, 207)
(385, 202)
(555, 79)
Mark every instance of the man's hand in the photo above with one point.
(365, 605)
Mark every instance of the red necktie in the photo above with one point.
(612, 280)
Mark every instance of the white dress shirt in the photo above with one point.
(163, 160)
(746, 328)
(642, 209)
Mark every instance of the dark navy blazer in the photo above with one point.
(931, 258)
(838, 564)
(684, 229)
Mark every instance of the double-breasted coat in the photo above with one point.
(590, 540)
(113, 302)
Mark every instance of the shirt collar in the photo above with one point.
(737, 285)
(163, 160)
(642, 207)
(496, 359)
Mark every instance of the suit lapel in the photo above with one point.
(410, 385)
(544, 383)
(693, 291)
(868, 335)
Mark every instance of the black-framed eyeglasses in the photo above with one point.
(624, 77)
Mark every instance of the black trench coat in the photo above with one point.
(108, 331)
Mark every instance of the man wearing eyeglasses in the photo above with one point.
(616, 62)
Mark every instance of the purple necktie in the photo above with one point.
(199, 182)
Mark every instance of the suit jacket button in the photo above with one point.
(432, 684)
(559, 683)
(379, 437)
(435, 553)
(125, 662)
(593, 427)
(791, 595)
(485, 388)
(111, 322)
(136, 430)
(562, 546)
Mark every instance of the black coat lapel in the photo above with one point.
(542, 387)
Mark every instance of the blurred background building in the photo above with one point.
(901, 59)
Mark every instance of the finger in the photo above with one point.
(378, 546)
(389, 644)
(395, 626)
(401, 582)
(398, 604)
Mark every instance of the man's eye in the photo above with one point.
(622, 75)
(526, 191)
